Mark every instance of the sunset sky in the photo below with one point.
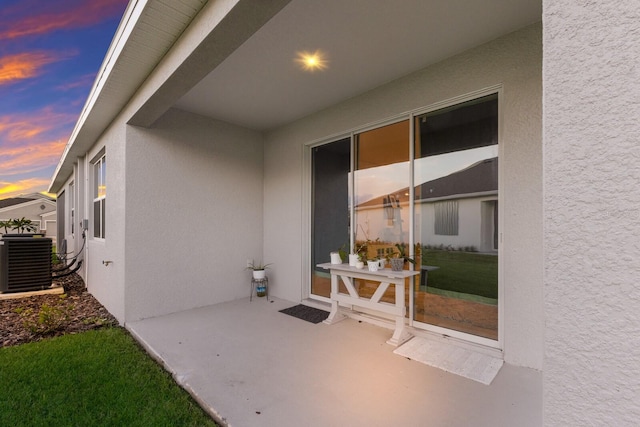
(50, 52)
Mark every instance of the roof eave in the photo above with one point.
(76, 143)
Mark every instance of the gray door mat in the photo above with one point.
(304, 312)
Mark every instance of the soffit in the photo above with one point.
(148, 30)
(368, 43)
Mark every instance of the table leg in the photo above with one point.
(334, 316)
(400, 333)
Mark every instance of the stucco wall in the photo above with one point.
(592, 233)
(106, 282)
(513, 61)
(194, 213)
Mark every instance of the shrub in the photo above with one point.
(50, 318)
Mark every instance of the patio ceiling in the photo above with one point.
(367, 43)
(243, 71)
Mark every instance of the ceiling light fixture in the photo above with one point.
(311, 61)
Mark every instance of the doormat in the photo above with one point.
(451, 358)
(304, 312)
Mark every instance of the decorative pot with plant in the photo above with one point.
(359, 253)
(258, 269)
(400, 257)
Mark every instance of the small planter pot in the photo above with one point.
(373, 265)
(360, 265)
(353, 260)
(259, 274)
(335, 258)
(397, 264)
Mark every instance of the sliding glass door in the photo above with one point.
(381, 196)
(456, 217)
(330, 167)
(427, 184)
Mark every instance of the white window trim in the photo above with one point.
(97, 162)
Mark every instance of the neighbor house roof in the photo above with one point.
(478, 178)
(5, 203)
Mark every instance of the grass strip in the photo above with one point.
(101, 377)
(463, 272)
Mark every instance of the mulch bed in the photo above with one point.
(77, 311)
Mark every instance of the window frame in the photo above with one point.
(412, 114)
(99, 195)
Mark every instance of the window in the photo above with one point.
(99, 196)
(446, 218)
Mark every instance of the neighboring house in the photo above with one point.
(39, 208)
(213, 136)
(467, 197)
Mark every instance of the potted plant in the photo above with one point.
(400, 257)
(258, 270)
(373, 264)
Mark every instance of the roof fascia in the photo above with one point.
(64, 169)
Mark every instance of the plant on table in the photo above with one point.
(400, 257)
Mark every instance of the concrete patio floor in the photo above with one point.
(250, 365)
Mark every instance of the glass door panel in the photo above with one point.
(381, 196)
(331, 164)
(456, 217)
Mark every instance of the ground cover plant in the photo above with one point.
(463, 272)
(37, 317)
(99, 377)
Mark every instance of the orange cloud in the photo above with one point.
(30, 158)
(25, 186)
(22, 128)
(24, 65)
(67, 15)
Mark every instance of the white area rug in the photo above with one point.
(448, 357)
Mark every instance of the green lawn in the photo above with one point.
(463, 272)
(99, 377)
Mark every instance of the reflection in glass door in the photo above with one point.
(331, 164)
(453, 196)
(456, 217)
(381, 196)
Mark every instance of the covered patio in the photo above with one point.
(250, 365)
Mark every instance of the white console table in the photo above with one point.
(385, 277)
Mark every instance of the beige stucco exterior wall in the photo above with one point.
(591, 232)
(513, 61)
(106, 281)
(193, 213)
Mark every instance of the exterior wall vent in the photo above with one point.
(25, 263)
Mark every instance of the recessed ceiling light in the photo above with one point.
(311, 61)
